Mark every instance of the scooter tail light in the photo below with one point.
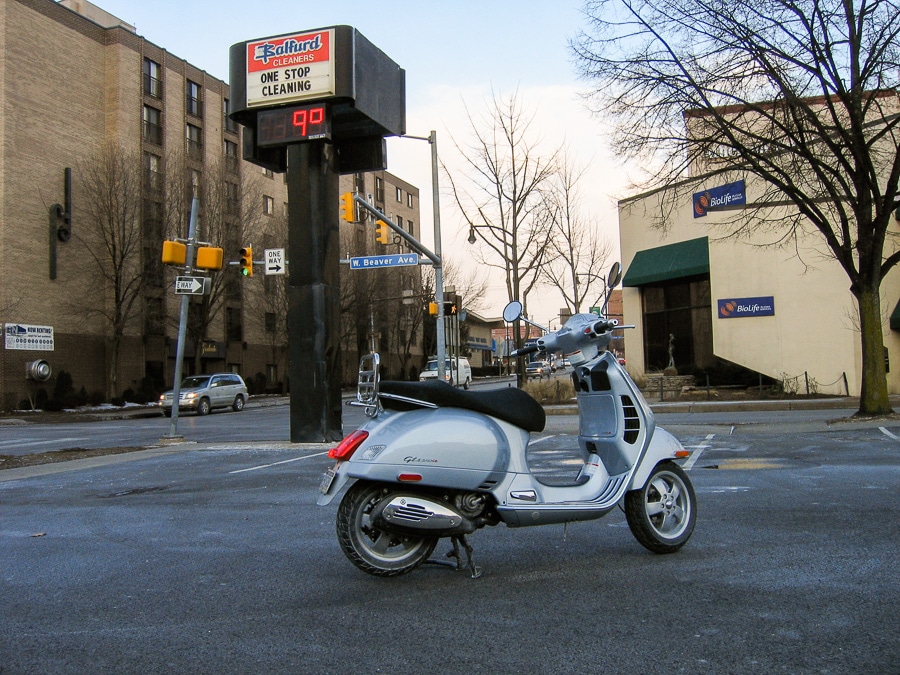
(349, 445)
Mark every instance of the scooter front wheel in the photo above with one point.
(375, 551)
(661, 514)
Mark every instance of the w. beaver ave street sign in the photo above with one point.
(368, 262)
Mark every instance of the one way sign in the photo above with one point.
(274, 261)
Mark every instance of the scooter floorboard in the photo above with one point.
(555, 460)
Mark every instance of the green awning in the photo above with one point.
(895, 318)
(673, 261)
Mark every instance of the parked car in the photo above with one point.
(538, 369)
(455, 374)
(203, 393)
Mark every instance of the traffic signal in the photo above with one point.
(449, 308)
(432, 308)
(247, 261)
(209, 258)
(348, 208)
(173, 253)
(382, 232)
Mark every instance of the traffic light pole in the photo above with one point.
(314, 363)
(183, 320)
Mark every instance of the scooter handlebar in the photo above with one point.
(527, 349)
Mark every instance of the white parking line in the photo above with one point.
(22, 443)
(284, 461)
(695, 455)
(889, 434)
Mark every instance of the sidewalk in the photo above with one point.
(136, 412)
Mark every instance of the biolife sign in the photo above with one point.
(723, 196)
(290, 68)
(736, 308)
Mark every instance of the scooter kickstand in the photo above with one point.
(470, 560)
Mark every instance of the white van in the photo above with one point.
(459, 372)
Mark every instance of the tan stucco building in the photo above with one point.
(785, 312)
(779, 306)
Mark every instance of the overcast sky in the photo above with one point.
(454, 54)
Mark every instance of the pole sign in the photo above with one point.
(192, 285)
(274, 261)
(368, 262)
(289, 68)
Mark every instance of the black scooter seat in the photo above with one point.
(510, 405)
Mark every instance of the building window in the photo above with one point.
(230, 124)
(196, 183)
(271, 322)
(268, 205)
(268, 173)
(234, 330)
(232, 197)
(194, 99)
(230, 150)
(400, 195)
(194, 139)
(151, 129)
(152, 79)
(409, 199)
(154, 316)
(379, 190)
(152, 175)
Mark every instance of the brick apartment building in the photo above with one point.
(110, 93)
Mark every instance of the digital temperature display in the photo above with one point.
(292, 125)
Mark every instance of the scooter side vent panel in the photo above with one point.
(632, 421)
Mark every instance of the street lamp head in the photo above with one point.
(471, 235)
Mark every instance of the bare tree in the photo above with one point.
(500, 194)
(111, 208)
(801, 95)
(230, 215)
(580, 253)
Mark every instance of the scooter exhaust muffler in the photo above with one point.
(408, 513)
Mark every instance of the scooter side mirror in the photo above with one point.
(512, 311)
(614, 276)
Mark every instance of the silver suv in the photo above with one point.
(205, 392)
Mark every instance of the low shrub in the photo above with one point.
(551, 392)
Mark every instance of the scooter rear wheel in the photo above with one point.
(662, 514)
(374, 551)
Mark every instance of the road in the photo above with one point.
(206, 557)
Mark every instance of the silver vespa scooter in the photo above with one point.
(435, 461)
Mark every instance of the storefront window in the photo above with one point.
(677, 325)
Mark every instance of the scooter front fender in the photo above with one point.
(663, 445)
